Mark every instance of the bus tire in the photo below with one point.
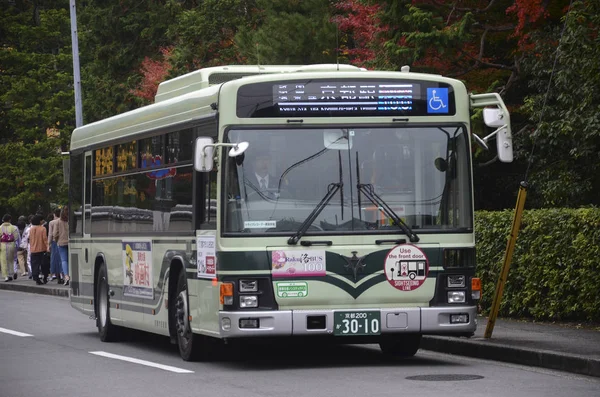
(400, 345)
(107, 330)
(192, 347)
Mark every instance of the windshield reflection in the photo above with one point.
(421, 174)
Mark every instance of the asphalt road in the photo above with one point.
(49, 349)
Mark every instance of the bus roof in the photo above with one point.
(220, 74)
(189, 97)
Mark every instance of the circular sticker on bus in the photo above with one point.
(406, 267)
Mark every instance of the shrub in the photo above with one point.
(555, 270)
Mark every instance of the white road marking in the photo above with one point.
(143, 362)
(17, 333)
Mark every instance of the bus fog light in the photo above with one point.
(248, 301)
(456, 296)
(226, 323)
(228, 300)
(249, 323)
(462, 318)
(476, 295)
(248, 285)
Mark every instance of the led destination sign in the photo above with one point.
(331, 98)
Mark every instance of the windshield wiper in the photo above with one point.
(332, 189)
(369, 192)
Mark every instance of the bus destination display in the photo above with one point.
(332, 98)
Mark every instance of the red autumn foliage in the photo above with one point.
(360, 21)
(153, 73)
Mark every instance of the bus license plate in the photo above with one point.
(366, 322)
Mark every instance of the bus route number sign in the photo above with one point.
(366, 322)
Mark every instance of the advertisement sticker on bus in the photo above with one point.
(206, 258)
(298, 263)
(294, 289)
(406, 267)
(137, 269)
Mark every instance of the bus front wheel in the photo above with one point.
(400, 345)
(192, 347)
(107, 330)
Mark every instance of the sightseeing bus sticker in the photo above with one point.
(292, 289)
(406, 267)
(298, 263)
(137, 269)
(206, 259)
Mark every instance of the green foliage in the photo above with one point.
(289, 32)
(37, 112)
(555, 272)
(114, 38)
(32, 178)
(566, 166)
(203, 34)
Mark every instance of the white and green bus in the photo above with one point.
(322, 201)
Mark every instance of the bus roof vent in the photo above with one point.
(405, 69)
(203, 78)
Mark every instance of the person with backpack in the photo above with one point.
(8, 246)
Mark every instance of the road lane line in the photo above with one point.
(143, 362)
(17, 333)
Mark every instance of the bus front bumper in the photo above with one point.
(422, 320)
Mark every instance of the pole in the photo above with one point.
(510, 248)
(76, 76)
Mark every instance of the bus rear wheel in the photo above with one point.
(107, 330)
(192, 347)
(400, 345)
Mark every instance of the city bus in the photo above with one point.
(319, 201)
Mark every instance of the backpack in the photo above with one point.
(7, 237)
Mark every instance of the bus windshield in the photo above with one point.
(419, 173)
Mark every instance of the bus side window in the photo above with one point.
(206, 208)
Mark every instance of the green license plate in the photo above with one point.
(367, 322)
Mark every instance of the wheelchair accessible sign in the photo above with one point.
(437, 100)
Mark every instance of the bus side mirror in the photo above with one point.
(497, 118)
(203, 154)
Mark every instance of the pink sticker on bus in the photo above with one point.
(298, 263)
(406, 267)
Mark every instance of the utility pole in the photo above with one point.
(76, 76)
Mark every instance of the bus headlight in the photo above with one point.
(456, 296)
(248, 285)
(248, 301)
(456, 281)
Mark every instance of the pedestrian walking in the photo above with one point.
(55, 261)
(61, 236)
(22, 246)
(8, 246)
(25, 246)
(38, 245)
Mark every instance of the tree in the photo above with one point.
(289, 33)
(565, 108)
(114, 38)
(37, 109)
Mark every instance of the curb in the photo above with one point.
(479, 348)
(62, 292)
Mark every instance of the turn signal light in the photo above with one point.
(226, 294)
(476, 288)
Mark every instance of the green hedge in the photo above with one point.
(555, 269)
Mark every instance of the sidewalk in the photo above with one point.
(563, 348)
(24, 284)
